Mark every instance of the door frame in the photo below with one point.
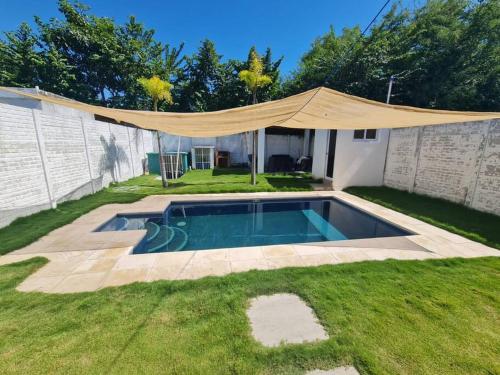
(325, 176)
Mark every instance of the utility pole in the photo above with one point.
(391, 81)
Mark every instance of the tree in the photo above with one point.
(199, 82)
(158, 90)
(19, 60)
(444, 54)
(254, 79)
(272, 69)
(90, 45)
(87, 58)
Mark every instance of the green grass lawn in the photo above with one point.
(478, 226)
(391, 317)
(24, 231)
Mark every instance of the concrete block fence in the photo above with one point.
(456, 162)
(48, 158)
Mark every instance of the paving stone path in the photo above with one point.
(283, 319)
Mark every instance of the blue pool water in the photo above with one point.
(211, 225)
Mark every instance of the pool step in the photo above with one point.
(152, 231)
(179, 240)
(324, 227)
(164, 238)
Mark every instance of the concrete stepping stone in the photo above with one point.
(283, 319)
(349, 370)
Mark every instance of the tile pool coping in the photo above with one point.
(83, 260)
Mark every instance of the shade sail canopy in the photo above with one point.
(320, 108)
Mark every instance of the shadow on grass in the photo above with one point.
(283, 183)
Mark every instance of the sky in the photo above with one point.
(288, 27)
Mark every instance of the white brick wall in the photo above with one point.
(67, 153)
(124, 162)
(22, 180)
(457, 162)
(399, 170)
(486, 193)
(136, 149)
(97, 137)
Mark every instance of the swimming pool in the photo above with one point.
(215, 224)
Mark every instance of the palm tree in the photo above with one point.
(158, 90)
(254, 79)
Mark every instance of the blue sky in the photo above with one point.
(288, 27)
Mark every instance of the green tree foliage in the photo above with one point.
(200, 80)
(207, 84)
(254, 76)
(87, 58)
(157, 90)
(445, 54)
(94, 60)
(19, 62)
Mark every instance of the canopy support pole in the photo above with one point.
(177, 160)
(254, 157)
(162, 166)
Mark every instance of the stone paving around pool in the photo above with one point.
(83, 260)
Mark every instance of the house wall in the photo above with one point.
(50, 155)
(456, 162)
(359, 162)
(232, 143)
(236, 145)
(277, 144)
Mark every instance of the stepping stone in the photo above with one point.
(336, 371)
(283, 319)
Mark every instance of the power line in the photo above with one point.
(341, 60)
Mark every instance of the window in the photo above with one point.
(359, 134)
(371, 134)
(365, 134)
(202, 157)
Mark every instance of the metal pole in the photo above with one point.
(162, 167)
(391, 81)
(254, 147)
(254, 157)
(177, 161)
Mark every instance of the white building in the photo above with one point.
(343, 158)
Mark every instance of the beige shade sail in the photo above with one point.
(320, 108)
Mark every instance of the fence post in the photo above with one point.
(416, 155)
(43, 156)
(87, 154)
(117, 173)
(472, 186)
